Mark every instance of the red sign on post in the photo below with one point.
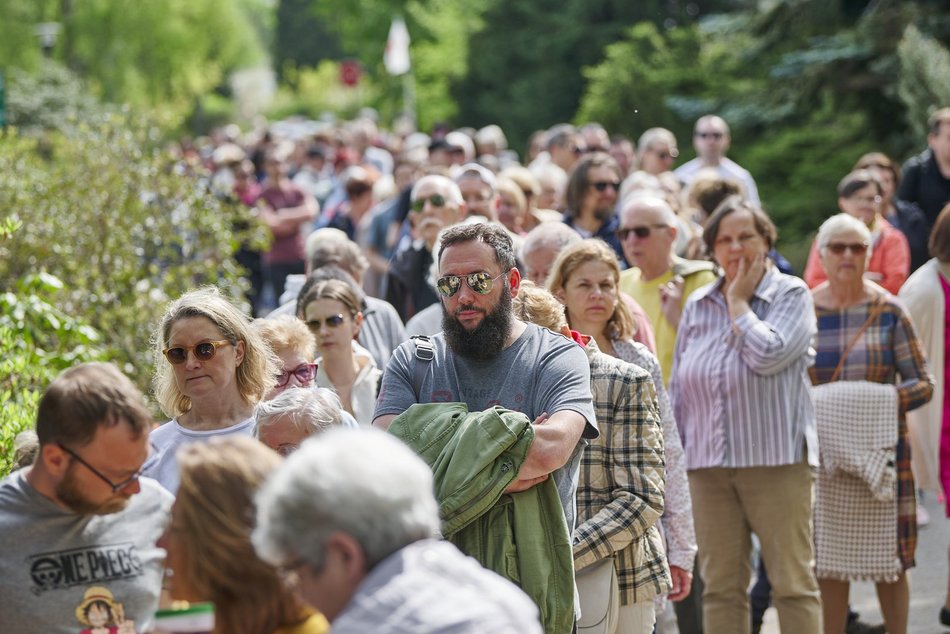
(350, 72)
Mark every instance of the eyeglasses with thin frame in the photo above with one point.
(333, 321)
(710, 135)
(865, 200)
(838, 248)
(305, 372)
(203, 351)
(641, 231)
(115, 486)
(602, 186)
(436, 200)
(481, 283)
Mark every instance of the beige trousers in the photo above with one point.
(775, 503)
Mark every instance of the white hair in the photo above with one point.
(444, 184)
(362, 482)
(553, 235)
(312, 410)
(842, 223)
(652, 201)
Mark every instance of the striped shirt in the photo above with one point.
(740, 388)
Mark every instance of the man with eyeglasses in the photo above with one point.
(592, 190)
(486, 357)
(711, 141)
(80, 524)
(436, 203)
(659, 280)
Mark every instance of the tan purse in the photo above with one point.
(600, 597)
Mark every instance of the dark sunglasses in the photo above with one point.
(333, 321)
(603, 185)
(203, 351)
(838, 248)
(710, 135)
(116, 486)
(437, 200)
(304, 373)
(481, 283)
(640, 232)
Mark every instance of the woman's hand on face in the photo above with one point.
(747, 278)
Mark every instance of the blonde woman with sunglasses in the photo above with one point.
(211, 371)
(332, 312)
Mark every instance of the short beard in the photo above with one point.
(69, 494)
(486, 340)
(603, 214)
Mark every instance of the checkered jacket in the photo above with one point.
(620, 493)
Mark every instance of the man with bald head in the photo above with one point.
(436, 203)
(711, 141)
(658, 279)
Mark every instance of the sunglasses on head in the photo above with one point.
(305, 372)
(203, 351)
(333, 321)
(640, 232)
(481, 283)
(602, 186)
(437, 200)
(838, 248)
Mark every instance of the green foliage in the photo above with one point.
(37, 341)
(924, 80)
(107, 213)
(315, 91)
(51, 98)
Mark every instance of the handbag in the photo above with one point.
(600, 597)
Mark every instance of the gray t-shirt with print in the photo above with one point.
(62, 573)
(540, 372)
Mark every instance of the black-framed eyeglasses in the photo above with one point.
(333, 321)
(304, 373)
(602, 186)
(116, 486)
(436, 200)
(203, 351)
(640, 232)
(481, 283)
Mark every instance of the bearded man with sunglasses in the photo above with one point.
(486, 357)
(80, 524)
(591, 197)
(436, 203)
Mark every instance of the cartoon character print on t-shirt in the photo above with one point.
(100, 613)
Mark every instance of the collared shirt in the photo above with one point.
(620, 493)
(739, 387)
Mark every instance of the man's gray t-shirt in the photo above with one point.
(540, 372)
(59, 570)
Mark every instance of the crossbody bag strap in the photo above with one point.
(879, 307)
(424, 353)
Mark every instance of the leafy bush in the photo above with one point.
(122, 226)
(37, 341)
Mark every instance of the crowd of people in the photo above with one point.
(472, 394)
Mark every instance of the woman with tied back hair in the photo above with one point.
(905, 216)
(210, 556)
(860, 195)
(331, 310)
(211, 371)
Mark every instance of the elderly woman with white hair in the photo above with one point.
(869, 371)
(294, 415)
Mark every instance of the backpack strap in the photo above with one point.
(425, 352)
